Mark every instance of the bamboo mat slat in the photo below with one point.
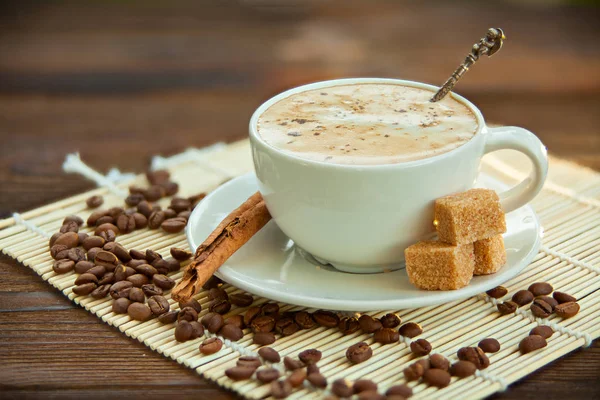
(569, 259)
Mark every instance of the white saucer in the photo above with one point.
(269, 265)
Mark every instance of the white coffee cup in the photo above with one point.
(360, 218)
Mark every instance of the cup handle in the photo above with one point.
(515, 138)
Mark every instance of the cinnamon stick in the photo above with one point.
(231, 234)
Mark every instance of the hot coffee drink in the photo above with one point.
(366, 123)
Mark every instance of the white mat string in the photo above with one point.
(569, 259)
(73, 164)
(19, 220)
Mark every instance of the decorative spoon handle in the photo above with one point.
(487, 45)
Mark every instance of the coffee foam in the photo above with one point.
(366, 124)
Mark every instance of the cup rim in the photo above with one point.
(257, 139)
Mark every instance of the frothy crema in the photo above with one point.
(365, 124)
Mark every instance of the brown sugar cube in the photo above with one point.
(435, 265)
(490, 255)
(469, 216)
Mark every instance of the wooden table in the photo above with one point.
(121, 81)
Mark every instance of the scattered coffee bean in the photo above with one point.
(348, 325)
(84, 289)
(263, 323)
(91, 253)
(138, 280)
(115, 211)
(211, 346)
(69, 239)
(249, 362)
(420, 347)
(522, 297)
(179, 204)
(70, 227)
(562, 297)
(220, 306)
(137, 295)
(304, 320)
(120, 289)
(106, 259)
(231, 332)
(263, 338)
(139, 312)
(140, 220)
(532, 343)
(326, 318)
(183, 331)
(508, 307)
(297, 377)
(158, 176)
(540, 308)
(369, 324)
(73, 218)
(386, 336)
(134, 199)
(497, 292)
(543, 330)
(266, 375)
(286, 326)
(213, 322)
(185, 214)
(236, 320)
(413, 372)
(63, 266)
(292, 364)
(364, 385)
(341, 388)
(438, 361)
(474, 355)
(269, 354)
(310, 356)
(169, 317)
(109, 236)
(145, 209)
(59, 251)
(126, 223)
(489, 345)
(424, 363)
(122, 272)
(400, 390)
(197, 329)
(118, 250)
(270, 309)
(105, 228)
(189, 314)
(551, 301)
(97, 270)
(241, 299)
(359, 352)
(120, 305)
(463, 369)
(137, 254)
(95, 216)
(281, 389)
(170, 188)
(163, 281)
(81, 267)
(239, 373)
(107, 278)
(152, 256)
(567, 310)
(156, 219)
(101, 291)
(410, 330)
(390, 321)
(154, 193)
(53, 238)
(77, 254)
(540, 288)
(106, 219)
(174, 225)
(158, 304)
(169, 213)
(217, 294)
(180, 254)
(94, 201)
(151, 290)
(317, 380)
(312, 369)
(82, 237)
(436, 377)
(250, 314)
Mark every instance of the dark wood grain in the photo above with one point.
(122, 81)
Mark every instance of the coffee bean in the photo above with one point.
(156, 219)
(138, 280)
(497, 292)
(183, 331)
(463, 369)
(163, 281)
(91, 253)
(359, 352)
(551, 301)
(304, 320)
(543, 330)
(84, 289)
(77, 254)
(137, 255)
(82, 236)
(123, 272)
(508, 307)
(364, 385)
(239, 373)
(145, 209)
(317, 380)
(169, 317)
(271, 309)
(120, 305)
(217, 294)
(567, 310)
(369, 324)
(267, 375)
(139, 311)
(173, 225)
(348, 325)
(69, 239)
(250, 314)
(213, 322)
(86, 278)
(169, 213)
(154, 193)
(413, 372)
(83, 266)
(220, 306)
(118, 250)
(94, 201)
(291, 364)
(269, 354)
(410, 330)
(236, 320)
(312, 369)
(297, 377)
(562, 297)
(438, 361)
(107, 260)
(141, 221)
(390, 321)
(105, 219)
(115, 211)
(63, 266)
(97, 270)
(249, 362)
(400, 390)
(263, 338)
(231, 332)
(262, 324)
(126, 223)
(134, 199)
(326, 318)
(540, 288)
(120, 289)
(197, 329)
(420, 347)
(386, 336)
(241, 300)
(59, 251)
(424, 362)
(158, 304)
(109, 235)
(474, 355)
(172, 265)
(170, 188)
(281, 389)
(341, 388)
(105, 228)
(158, 176)
(95, 216)
(310, 356)
(70, 227)
(180, 254)
(101, 291)
(436, 377)
(522, 297)
(146, 269)
(107, 278)
(212, 283)
(188, 314)
(286, 326)
(540, 308)
(179, 204)
(532, 343)
(185, 214)
(53, 238)
(211, 346)
(489, 345)
(152, 256)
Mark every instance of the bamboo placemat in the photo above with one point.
(569, 259)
